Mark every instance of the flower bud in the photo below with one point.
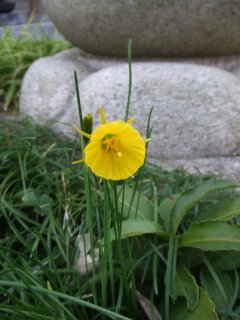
(87, 126)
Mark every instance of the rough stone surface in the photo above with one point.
(196, 115)
(157, 28)
(95, 62)
(48, 90)
(227, 166)
(196, 108)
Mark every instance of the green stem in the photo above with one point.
(89, 220)
(118, 217)
(168, 276)
(130, 77)
(106, 242)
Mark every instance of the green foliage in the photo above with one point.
(204, 310)
(186, 286)
(134, 204)
(16, 55)
(193, 272)
(190, 222)
(212, 235)
(136, 227)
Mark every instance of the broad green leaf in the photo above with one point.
(135, 205)
(220, 300)
(137, 227)
(185, 286)
(222, 211)
(192, 196)
(45, 203)
(165, 209)
(204, 311)
(29, 197)
(212, 235)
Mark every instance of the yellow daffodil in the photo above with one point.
(116, 150)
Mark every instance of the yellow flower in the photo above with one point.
(116, 150)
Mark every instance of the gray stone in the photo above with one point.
(157, 27)
(196, 115)
(196, 108)
(95, 62)
(48, 90)
(226, 166)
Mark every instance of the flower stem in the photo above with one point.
(89, 220)
(168, 275)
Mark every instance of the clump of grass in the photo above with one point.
(16, 55)
(42, 214)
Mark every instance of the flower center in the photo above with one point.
(110, 143)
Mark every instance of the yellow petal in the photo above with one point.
(119, 161)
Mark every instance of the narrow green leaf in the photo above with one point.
(212, 236)
(193, 195)
(133, 207)
(165, 209)
(204, 311)
(9, 96)
(226, 260)
(222, 211)
(221, 301)
(77, 301)
(186, 287)
(137, 227)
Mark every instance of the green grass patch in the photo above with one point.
(43, 209)
(16, 55)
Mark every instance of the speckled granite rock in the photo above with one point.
(227, 166)
(48, 94)
(197, 108)
(157, 28)
(95, 62)
(48, 90)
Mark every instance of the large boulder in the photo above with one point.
(196, 108)
(157, 27)
(48, 89)
(196, 105)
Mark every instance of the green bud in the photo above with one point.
(87, 126)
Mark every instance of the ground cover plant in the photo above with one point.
(17, 54)
(161, 245)
(43, 215)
